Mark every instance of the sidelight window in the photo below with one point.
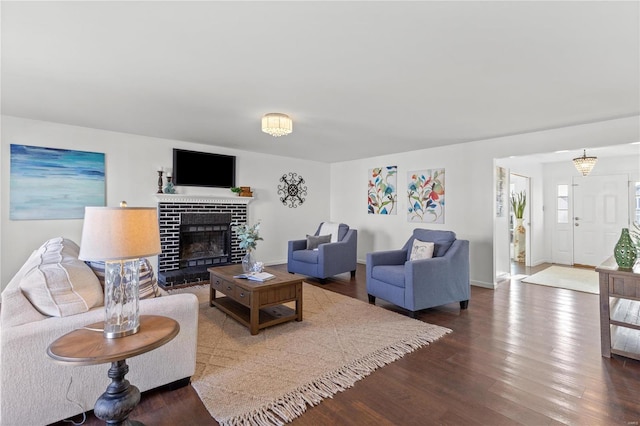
(637, 211)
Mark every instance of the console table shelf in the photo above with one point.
(619, 310)
(624, 312)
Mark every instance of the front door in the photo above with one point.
(600, 211)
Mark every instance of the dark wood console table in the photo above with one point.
(86, 346)
(619, 310)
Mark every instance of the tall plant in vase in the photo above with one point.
(248, 237)
(518, 203)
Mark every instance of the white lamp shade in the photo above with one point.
(119, 233)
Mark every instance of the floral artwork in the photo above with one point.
(425, 191)
(382, 195)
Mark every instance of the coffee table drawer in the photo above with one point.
(223, 286)
(242, 296)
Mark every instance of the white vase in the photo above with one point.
(519, 241)
(248, 262)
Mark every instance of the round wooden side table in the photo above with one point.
(88, 346)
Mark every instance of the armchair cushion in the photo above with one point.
(314, 241)
(307, 256)
(441, 239)
(392, 274)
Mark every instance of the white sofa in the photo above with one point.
(35, 390)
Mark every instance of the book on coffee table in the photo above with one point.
(256, 276)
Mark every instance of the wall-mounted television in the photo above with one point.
(192, 168)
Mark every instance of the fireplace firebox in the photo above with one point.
(204, 244)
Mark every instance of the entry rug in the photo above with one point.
(579, 279)
(273, 377)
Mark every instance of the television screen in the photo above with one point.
(191, 168)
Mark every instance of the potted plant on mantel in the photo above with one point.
(243, 191)
(518, 203)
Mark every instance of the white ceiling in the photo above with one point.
(358, 78)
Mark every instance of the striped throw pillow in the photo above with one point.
(148, 287)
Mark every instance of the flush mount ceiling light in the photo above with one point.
(585, 164)
(277, 124)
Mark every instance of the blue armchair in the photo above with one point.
(328, 258)
(424, 283)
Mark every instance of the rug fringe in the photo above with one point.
(295, 403)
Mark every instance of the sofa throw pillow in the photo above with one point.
(148, 285)
(57, 283)
(313, 242)
(98, 269)
(421, 250)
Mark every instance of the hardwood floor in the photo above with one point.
(521, 354)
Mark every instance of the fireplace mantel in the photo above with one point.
(208, 199)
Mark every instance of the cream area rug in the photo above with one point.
(271, 378)
(579, 279)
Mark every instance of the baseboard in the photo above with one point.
(484, 284)
(539, 262)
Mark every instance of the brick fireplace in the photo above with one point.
(195, 234)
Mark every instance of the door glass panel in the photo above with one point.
(563, 203)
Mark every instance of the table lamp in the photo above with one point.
(120, 236)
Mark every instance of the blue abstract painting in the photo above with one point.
(50, 183)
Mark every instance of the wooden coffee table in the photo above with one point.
(256, 305)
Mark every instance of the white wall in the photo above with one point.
(337, 190)
(131, 175)
(469, 186)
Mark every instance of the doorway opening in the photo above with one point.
(519, 222)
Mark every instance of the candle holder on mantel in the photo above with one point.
(160, 181)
